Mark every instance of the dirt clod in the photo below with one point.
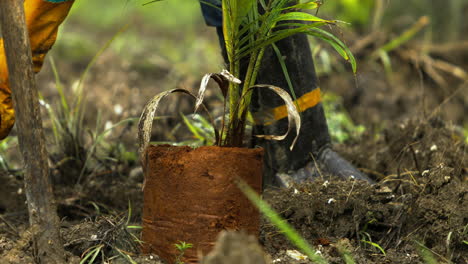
(234, 248)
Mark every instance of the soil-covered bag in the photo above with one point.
(190, 195)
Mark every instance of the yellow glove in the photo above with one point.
(42, 20)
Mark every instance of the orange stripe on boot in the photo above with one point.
(303, 103)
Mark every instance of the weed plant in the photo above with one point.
(76, 144)
(5, 146)
(114, 239)
(181, 247)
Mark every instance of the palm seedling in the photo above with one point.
(249, 27)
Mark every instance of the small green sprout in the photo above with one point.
(182, 246)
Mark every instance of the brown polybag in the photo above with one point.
(190, 196)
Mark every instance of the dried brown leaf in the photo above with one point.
(293, 115)
(222, 79)
(147, 116)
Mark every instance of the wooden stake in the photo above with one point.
(42, 210)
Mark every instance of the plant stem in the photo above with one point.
(404, 37)
(233, 90)
(250, 79)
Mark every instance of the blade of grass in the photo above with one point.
(134, 227)
(301, 16)
(387, 63)
(280, 223)
(92, 254)
(196, 131)
(278, 35)
(78, 108)
(125, 256)
(52, 117)
(405, 36)
(129, 215)
(426, 254)
(336, 43)
(59, 86)
(376, 246)
(285, 73)
(346, 255)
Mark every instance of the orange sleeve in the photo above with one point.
(42, 20)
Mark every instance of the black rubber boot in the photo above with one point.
(313, 146)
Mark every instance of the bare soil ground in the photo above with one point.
(420, 202)
(412, 147)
